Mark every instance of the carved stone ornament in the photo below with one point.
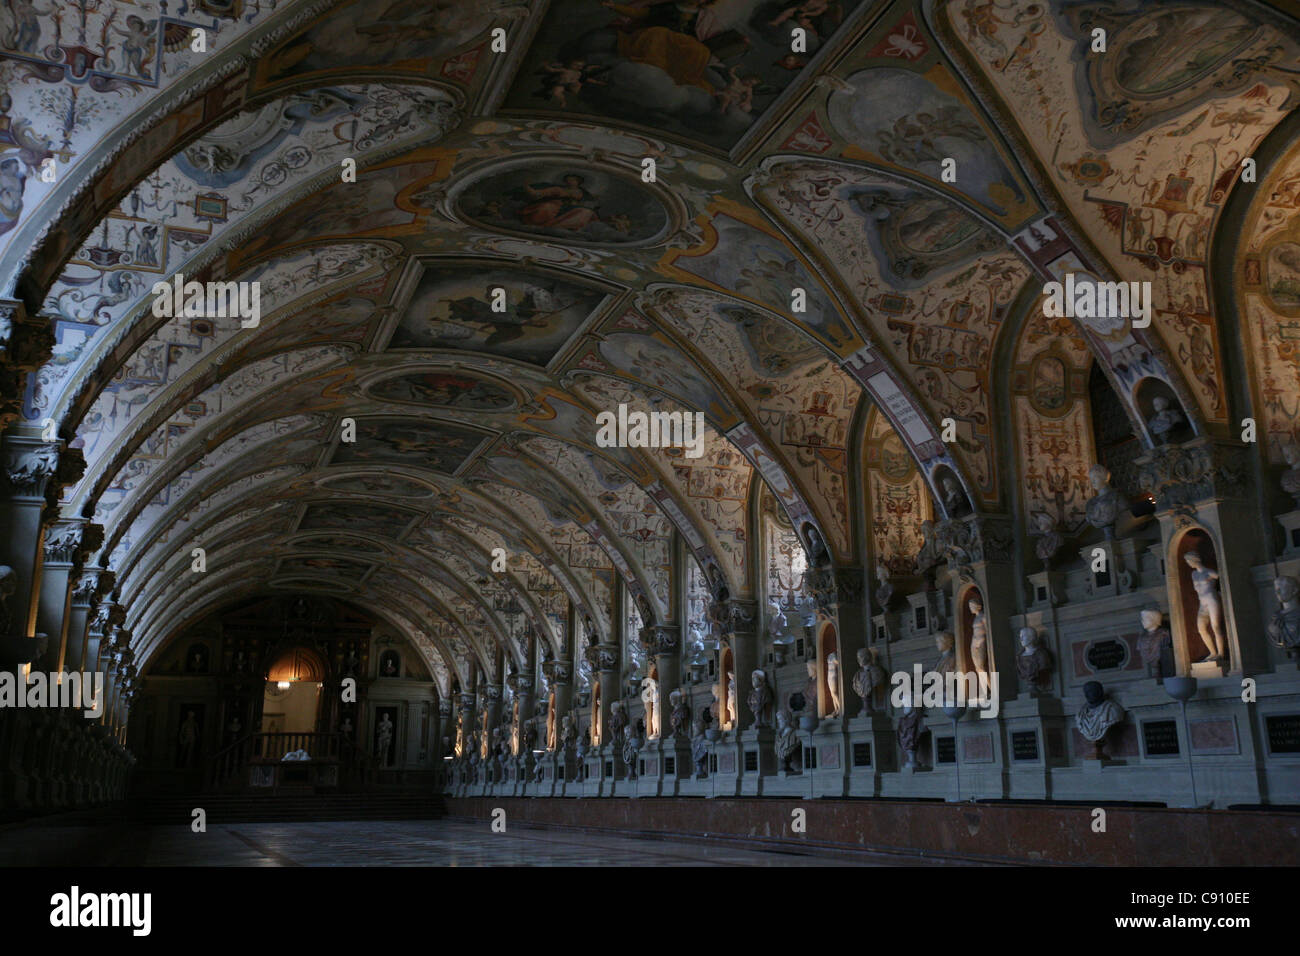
(561, 672)
(603, 657)
(85, 588)
(63, 543)
(666, 639)
(973, 539)
(520, 683)
(1184, 475)
(834, 587)
(735, 617)
(28, 470)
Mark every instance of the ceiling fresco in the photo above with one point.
(477, 225)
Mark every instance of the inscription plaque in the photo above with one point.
(1160, 738)
(1024, 745)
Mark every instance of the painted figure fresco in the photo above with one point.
(705, 69)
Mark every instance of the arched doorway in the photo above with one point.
(291, 699)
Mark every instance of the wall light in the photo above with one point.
(283, 684)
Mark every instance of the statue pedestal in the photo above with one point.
(830, 743)
(1046, 589)
(650, 770)
(1290, 522)
(1098, 764)
(1209, 670)
(676, 764)
(1035, 730)
(870, 753)
(727, 752)
(1112, 567)
(927, 613)
(758, 760)
(882, 629)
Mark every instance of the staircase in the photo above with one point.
(161, 810)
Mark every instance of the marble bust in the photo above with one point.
(1165, 420)
(947, 659)
(1034, 662)
(884, 589)
(760, 699)
(1290, 480)
(1104, 506)
(1049, 538)
(1097, 715)
(1284, 626)
(1209, 614)
(833, 683)
(869, 678)
(1155, 642)
(787, 741)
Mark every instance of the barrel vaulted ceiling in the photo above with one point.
(774, 171)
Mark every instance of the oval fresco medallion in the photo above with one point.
(440, 389)
(566, 201)
(374, 484)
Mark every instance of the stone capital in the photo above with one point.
(603, 657)
(520, 683)
(832, 588)
(1201, 470)
(662, 640)
(735, 616)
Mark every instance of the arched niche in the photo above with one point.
(1185, 604)
(827, 695)
(969, 656)
(1148, 394)
(727, 667)
(952, 496)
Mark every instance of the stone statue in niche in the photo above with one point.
(955, 502)
(979, 635)
(732, 711)
(568, 733)
(631, 746)
(760, 699)
(1284, 626)
(1209, 615)
(869, 679)
(787, 741)
(1097, 715)
(946, 662)
(1049, 538)
(1034, 662)
(528, 735)
(1104, 507)
(617, 724)
(187, 739)
(816, 547)
(699, 742)
(650, 700)
(884, 589)
(1156, 644)
(1165, 421)
(679, 718)
(910, 725)
(833, 684)
(1290, 480)
(384, 739)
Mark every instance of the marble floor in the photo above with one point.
(387, 843)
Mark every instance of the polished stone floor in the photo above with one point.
(388, 843)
